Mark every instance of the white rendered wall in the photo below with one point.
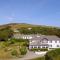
(54, 44)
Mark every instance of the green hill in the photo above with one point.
(19, 25)
(33, 29)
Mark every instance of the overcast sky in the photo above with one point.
(42, 12)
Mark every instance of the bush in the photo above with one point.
(14, 53)
(6, 44)
(44, 49)
(37, 49)
(51, 55)
(23, 50)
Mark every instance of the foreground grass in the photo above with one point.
(12, 49)
(5, 51)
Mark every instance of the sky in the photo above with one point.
(41, 12)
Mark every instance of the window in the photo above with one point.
(57, 45)
(39, 46)
(31, 46)
(55, 41)
(50, 41)
(43, 46)
(46, 46)
(59, 41)
(35, 46)
(50, 45)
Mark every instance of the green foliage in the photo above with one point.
(14, 53)
(40, 30)
(5, 33)
(39, 49)
(23, 50)
(24, 42)
(44, 49)
(13, 48)
(51, 55)
(6, 44)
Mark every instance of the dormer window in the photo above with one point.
(44, 40)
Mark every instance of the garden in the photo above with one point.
(13, 48)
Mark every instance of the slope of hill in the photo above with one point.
(19, 25)
(33, 29)
(16, 25)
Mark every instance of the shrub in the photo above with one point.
(23, 51)
(44, 49)
(37, 49)
(51, 55)
(14, 53)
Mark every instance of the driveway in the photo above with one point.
(30, 55)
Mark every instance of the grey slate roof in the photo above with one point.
(37, 40)
(46, 36)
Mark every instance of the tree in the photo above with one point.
(6, 33)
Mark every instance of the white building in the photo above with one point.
(40, 41)
(22, 36)
(44, 42)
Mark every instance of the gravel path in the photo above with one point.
(29, 55)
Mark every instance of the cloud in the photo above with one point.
(9, 18)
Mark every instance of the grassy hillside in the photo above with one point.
(19, 25)
(35, 29)
(16, 25)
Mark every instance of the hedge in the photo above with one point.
(39, 49)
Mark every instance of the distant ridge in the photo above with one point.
(19, 25)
